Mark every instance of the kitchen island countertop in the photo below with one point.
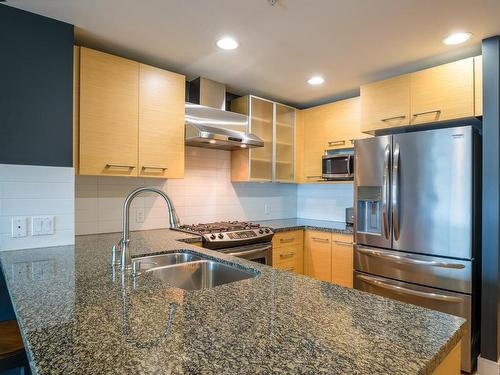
(78, 317)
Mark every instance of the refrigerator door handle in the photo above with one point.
(406, 259)
(385, 191)
(395, 192)
(401, 290)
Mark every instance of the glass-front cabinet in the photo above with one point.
(274, 123)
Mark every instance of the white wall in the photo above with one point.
(324, 201)
(205, 194)
(36, 190)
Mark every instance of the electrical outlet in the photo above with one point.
(19, 226)
(42, 225)
(139, 215)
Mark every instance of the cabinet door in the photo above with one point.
(161, 123)
(342, 260)
(109, 95)
(444, 92)
(261, 158)
(285, 143)
(385, 104)
(342, 123)
(478, 85)
(313, 143)
(318, 255)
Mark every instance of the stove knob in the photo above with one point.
(261, 231)
(212, 237)
(267, 230)
(221, 236)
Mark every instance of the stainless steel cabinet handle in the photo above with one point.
(343, 243)
(402, 290)
(111, 165)
(152, 167)
(286, 255)
(395, 192)
(289, 269)
(314, 176)
(250, 252)
(326, 240)
(436, 111)
(406, 259)
(336, 143)
(392, 118)
(284, 240)
(385, 191)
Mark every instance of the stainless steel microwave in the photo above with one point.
(338, 167)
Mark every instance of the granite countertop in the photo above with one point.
(77, 317)
(280, 225)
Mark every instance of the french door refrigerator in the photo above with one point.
(416, 197)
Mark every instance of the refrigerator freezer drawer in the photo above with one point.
(437, 272)
(451, 303)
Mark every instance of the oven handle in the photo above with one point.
(402, 290)
(251, 252)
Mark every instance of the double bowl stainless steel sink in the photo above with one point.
(189, 271)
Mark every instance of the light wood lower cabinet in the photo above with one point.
(288, 251)
(318, 255)
(342, 259)
(109, 110)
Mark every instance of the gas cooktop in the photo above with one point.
(225, 234)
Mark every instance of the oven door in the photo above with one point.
(260, 253)
(337, 166)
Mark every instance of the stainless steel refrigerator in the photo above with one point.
(417, 238)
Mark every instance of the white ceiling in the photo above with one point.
(349, 42)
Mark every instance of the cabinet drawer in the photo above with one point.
(290, 265)
(295, 237)
(293, 253)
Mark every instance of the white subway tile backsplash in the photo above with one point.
(324, 201)
(205, 194)
(36, 190)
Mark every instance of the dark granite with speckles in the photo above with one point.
(282, 225)
(77, 318)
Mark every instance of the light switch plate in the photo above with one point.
(42, 225)
(19, 226)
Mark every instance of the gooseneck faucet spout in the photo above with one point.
(121, 250)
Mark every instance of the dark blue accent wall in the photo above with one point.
(490, 286)
(36, 78)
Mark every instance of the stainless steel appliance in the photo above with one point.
(338, 166)
(242, 239)
(416, 196)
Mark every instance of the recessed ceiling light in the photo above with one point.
(316, 80)
(457, 38)
(227, 43)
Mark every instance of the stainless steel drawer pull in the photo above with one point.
(343, 243)
(284, 240)
(406, 259)
(326, 240)
(401, 290)
(314, 176)
(289, 269)
(151, 167)
(336, 143)
(393, 118)
(286, 255)
(111, 165)
(436, 111)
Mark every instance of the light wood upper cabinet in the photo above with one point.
(109, 110)
(131, 118)
(329, 126)
(385, 104)
(318, 255)
(161, 123)
(478, 85)
(443, 92)
(342, 259)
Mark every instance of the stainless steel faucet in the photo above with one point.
(121, 253)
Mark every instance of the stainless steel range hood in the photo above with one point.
(209, 125)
